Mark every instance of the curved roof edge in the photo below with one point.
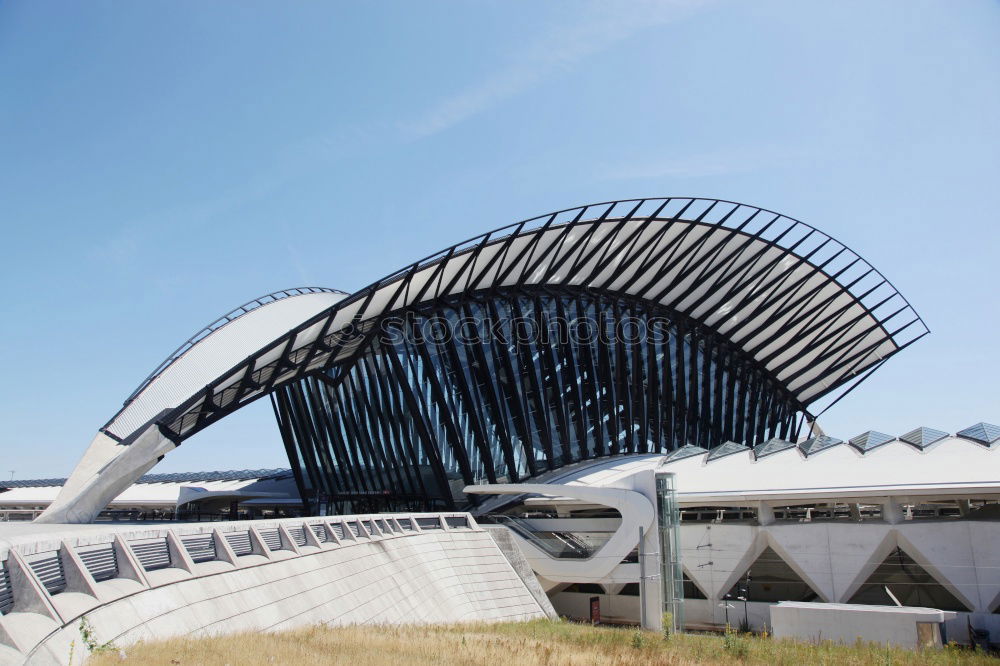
(840, 317)
(230, 316)
(180, 354)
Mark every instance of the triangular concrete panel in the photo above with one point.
(689, 577)
(736, 569)
(855, 552)
(798, 548)
(710, 555)
(983, 538)
(949, 561)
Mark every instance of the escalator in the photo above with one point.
(562, 545)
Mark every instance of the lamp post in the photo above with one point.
(744, 597)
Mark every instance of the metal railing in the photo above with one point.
(562, 545)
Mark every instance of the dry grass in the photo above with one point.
(510, 644)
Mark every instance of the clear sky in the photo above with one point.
(163, 162)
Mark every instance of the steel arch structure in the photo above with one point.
(807, 313)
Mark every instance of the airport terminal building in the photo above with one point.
(534, 375)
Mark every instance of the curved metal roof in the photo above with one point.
(215, 348)
(811, 311)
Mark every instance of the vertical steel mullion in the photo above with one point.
(640, 380)
(516, 401)
(324, 398)
(718, 388)
(606, 382)
(571, 372)
(371, 427)
(706, 426)
(291, 448)
(446, 417)
(654, 413)
(681, 386)
(360, 458)
(394, 391)
(528, 367)
(590, 387)
(668, 395)
(476, 409)
(312, 394)
(309, 433)
(385, 417)
(623, 388)
(427, 441)
(491, 398)
(546, 355)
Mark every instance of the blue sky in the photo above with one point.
(162, 162)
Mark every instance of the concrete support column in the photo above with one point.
(892, 511)
(765, 513)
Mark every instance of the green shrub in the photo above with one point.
(736, 644)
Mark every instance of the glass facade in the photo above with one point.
(510, 383)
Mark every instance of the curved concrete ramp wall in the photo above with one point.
(200, 579)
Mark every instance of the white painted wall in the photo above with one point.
(844, 623)
(442, 575)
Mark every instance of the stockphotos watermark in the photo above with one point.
(546, 330)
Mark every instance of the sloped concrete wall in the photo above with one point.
(505, 541)
(440, 575)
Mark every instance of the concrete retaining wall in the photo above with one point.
(450, 570)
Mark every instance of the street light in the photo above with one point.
(744, 597)
(725, 604)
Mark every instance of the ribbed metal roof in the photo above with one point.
(215, 349)
(813, 313)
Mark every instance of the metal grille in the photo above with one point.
(429, 523)
(355, 530)
(386, 526)
(272, 538)
(338, 530)
(49, 569)
(373, 528)
(201, 547)
(298, 534)
(6, 595)
(240, 543)
(321, 534)
(101, 561)
(152, 553)
(406, 524)
(458, 522)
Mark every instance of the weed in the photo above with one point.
(89, 638)
(736, 644)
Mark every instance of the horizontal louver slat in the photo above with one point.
(49, 569)
(457, 522)
(240, 543)
(101, 561)
(272, 538)
(200, 547)
(321, 534)
(6, 594)
(429, 523)
(298, 535)
(153, 554)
